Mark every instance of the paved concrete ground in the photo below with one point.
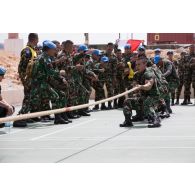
(100, 139)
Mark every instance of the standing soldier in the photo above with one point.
(175, 64)
(27, 57)
(180, 71)
(188, 77)
(43, 73)
(127, 53)
(120, 84)
(169, 72)
(111, 71)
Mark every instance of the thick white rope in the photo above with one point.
(67, 109)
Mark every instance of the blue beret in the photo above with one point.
(2, 70)
(49, 44)
(104, 59)
(96, 52)
(82, 48)
(127, 46)
(157, 50)
(156, 59)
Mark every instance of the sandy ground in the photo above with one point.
(100, 139)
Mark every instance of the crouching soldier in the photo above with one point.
(5, 108)
(149, 96)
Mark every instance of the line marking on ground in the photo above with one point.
(48, 134)
(110, 148)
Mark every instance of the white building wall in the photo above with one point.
(14, 46)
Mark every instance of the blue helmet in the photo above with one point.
(156, 59)
(96, 52)
(104, 59)
(82, 48)
(2, 70)
(157, 50)
(141, 48)
(127, 46)
(49, 44)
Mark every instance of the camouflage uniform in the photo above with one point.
(26, 57)
(180, 70)
(120, 83)
(169, 72)
(192, 67)
(43, 72)
(188, 76)
(111, 74)
(145, 102)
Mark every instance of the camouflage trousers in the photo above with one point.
(43, 91)
(99, 90)
(172, 86)
(120, 86)
(26, 101)
(72, 97)
(187, 82)
(143, 106)
(109, 86)
(128, 85)
(181, 83)
(87, 84)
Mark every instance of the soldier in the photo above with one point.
(43, 72)
(27, 57)
(111, 71)
(175, 64)
(96, 57)
(120, 84)
(100, 69)
(142, 52)
(169, 72)
(180, 71)
(66, 63)
(127, 53)
(148, 98)
(188, 76)
(5, 108)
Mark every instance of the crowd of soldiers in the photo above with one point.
(57, 75)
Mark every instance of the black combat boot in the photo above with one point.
(177, 101)
(172, 102)
(120, 103)
(155, 123)
(20, 123)
(185, 101)
(169, 107)
(96, 107)
(115, 104)
(188, 100)
(110, 105)
(83, 113)
(59, 120)
(65, 117)
(137, 117)
(71, 115)
(103, 107)
(127, 122)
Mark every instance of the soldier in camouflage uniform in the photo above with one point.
(188, 76)
(175, 65)
(96, 56)
(43, 73)
(28, 55)
(101, 69)
(148, 97)
(120, 83)
(130, 60)
(66, 64)
(169, 72)
(111, 71)
(180, 70)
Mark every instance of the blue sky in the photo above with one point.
(78, 38)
